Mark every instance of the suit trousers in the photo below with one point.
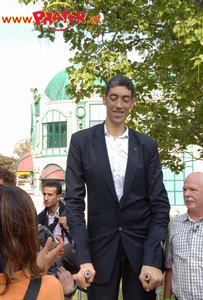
(131, 285)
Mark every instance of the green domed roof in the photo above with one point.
(55, 90)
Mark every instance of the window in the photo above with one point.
(54, 135)
(174, 183)
(97, 114)
(54, 130)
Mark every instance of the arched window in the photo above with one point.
(54, 125)
(97, 114)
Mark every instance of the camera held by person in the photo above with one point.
(68, 257)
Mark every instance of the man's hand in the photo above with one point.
(156, 278)
(66, 280)
(63, 223)
(80, 276)
(45, 257)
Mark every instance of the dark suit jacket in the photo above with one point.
(141, 217)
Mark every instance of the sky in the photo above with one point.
(25, 62)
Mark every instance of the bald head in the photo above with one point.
(195, 176)
(193, 195)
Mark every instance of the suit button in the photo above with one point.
(119, 228)
(119, 210)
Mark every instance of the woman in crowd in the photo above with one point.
(18, 248)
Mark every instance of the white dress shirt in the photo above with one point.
(118, 155)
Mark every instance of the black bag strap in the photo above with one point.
(67, 234)
(63, 231)
(33, 289)
(53, 225)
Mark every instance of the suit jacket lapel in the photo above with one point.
(133, 155)
(102, 156)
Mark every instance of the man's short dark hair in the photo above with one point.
(54, 183)
(120, 80)
(7, 176)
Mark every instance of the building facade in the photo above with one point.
(54, 117)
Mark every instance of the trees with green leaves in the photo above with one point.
(159, 45)
(21, 147)
(7, 162)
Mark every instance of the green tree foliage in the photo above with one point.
(21, 147)
(7, 162)
(168, 37)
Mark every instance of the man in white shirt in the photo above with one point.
(184, 251)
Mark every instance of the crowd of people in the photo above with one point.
(118, 171)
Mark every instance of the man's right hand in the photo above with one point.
(62, 222)
(45, 257)
(80, 276)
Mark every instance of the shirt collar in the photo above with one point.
(56, 213)
(125, 134)
(187, 217)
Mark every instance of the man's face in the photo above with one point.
(193, 194)
(118, 102)
(51, 199)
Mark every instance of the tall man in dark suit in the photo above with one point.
(127, 204)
